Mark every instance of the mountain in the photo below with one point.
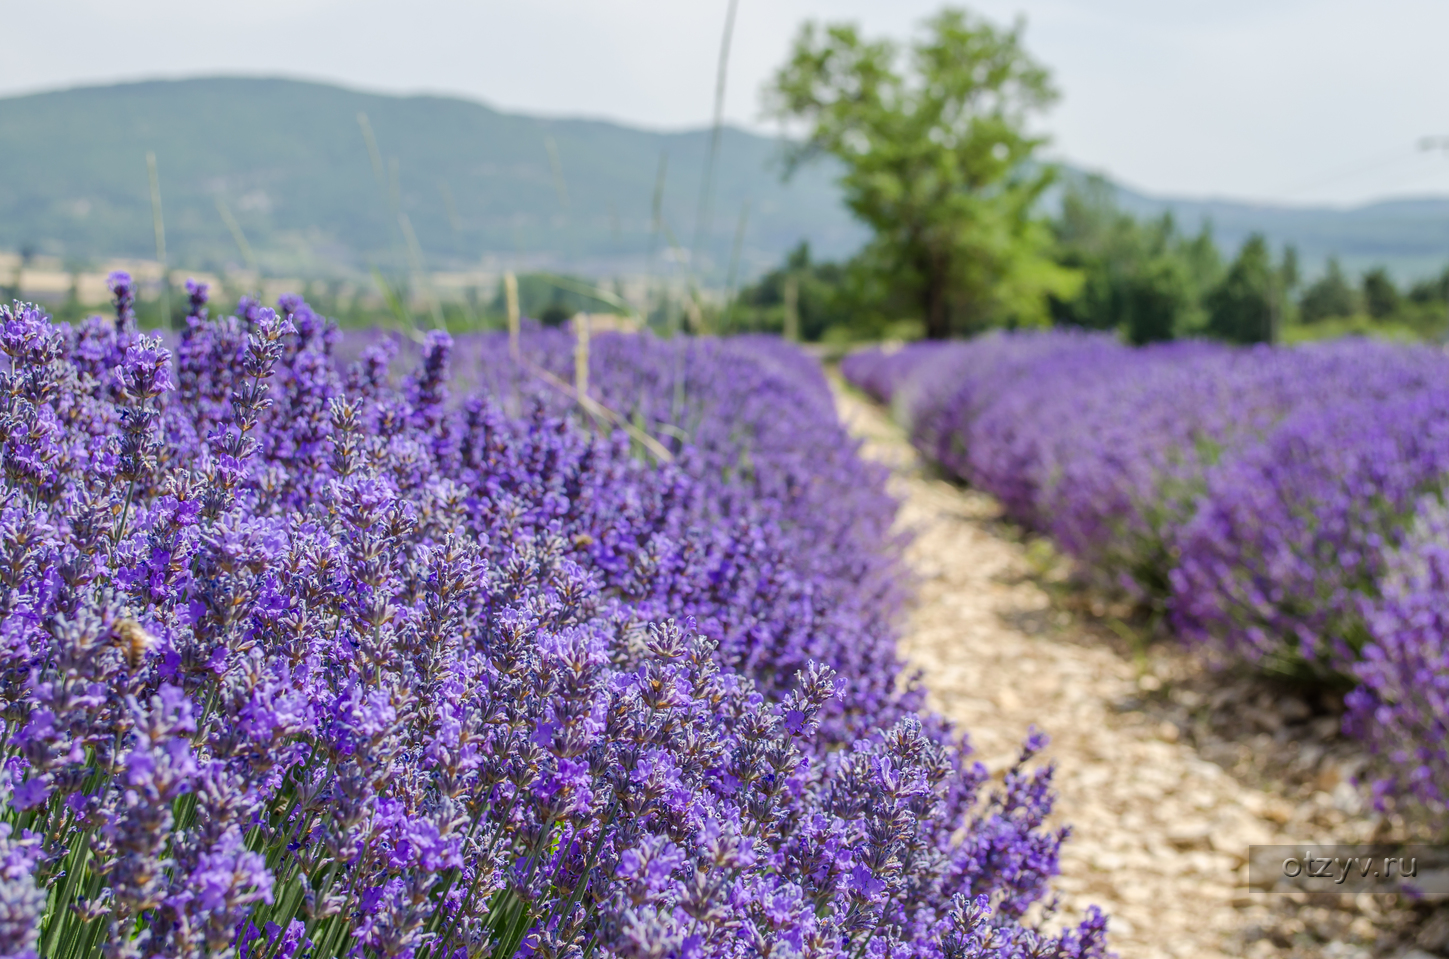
(1409, 236)
(290, 162)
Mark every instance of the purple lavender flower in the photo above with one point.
(22, 903)
(1264, 500)
(196, 299)
(353, 662)
(123, 293)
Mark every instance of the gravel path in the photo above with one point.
(1160, 834)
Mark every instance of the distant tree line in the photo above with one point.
(1153, 283)
(939, 163)
(1142, 277)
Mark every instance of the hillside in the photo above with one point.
(1409, 236)
(290, 162)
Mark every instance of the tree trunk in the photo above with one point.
(936, 308)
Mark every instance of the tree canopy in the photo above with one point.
(938, 161)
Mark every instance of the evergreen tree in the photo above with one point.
(1380, 295)
(1155, 299)
(1328, 296)
(1241, 308)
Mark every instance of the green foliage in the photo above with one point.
(549, 298)
(1360, 324)
(1328, 296)
(1380, 295)
(1251, 304)
(1431, 292)
(1240, 309)
(1331, 307)
(1143, 278)
(936, 158)
(1150, 283)
(821, 298)
(1156, 298)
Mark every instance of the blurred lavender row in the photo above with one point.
(1283, 506)
(313, 646)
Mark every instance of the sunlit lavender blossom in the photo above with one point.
(299, 656)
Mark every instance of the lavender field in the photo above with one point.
(318, 645)
(1277, 507)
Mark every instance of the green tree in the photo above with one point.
(1155, 298)
(820, 303)
(1431, 292)
(1144, 278)
(1241, 308)
(936, 156)
(1328, 296)
(1380, 295)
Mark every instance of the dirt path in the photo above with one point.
(1160, 834)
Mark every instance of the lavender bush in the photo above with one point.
(1261, 498)
(1402, 703)
(302, 657)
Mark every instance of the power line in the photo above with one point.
(1380, 161)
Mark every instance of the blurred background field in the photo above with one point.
(267, 185)
(1244, 496)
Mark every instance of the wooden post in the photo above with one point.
(510, 296)
(695, 315)
(581, 355)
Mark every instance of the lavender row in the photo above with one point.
(302, 655)
(1283, 506)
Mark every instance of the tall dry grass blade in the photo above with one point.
(456, 222)
(373, 153)
(396, 305)
(655, 228)
(425, 279)
(450, 207)
(581, 354)
(599, 293)
(394, 186)
(594, 408)
(657, 217)
(389, 199)
(735, 264)
(237, 235)
(559, 186)
(792, 308)
(159, 225)
(701, 220)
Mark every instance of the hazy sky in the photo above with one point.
(1280, 100)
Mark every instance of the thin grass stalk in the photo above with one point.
(559, 186)
(734, 273)
(415, 254)
(237, 235)
(581, 354)
(599, 293)
(456, 222)
(158, 224)
(706, 188)
(400, 310)
(792, 308)
(379, 173)
(656, 227)
(595, 408)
